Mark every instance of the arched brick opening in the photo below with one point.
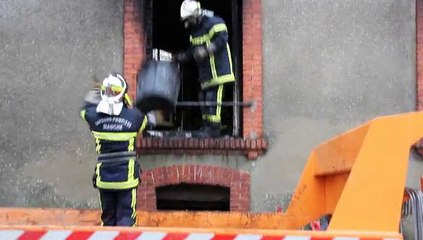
(237, 181)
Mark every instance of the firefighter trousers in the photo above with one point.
(118, 207)
(212, 94)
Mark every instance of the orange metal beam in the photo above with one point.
(338, 155)
(359, 176)
(49, 216)
(216, 220)
(74, 217)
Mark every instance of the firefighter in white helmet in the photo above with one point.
(210, 49)
(115, 126)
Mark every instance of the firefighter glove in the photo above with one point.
(92, 97)
(212, 48)
(151, 117)
(180, 57)
(200, 53)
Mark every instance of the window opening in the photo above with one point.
(193, 197)
(165, 31)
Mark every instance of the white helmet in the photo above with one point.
(113, 90)
(190, 8)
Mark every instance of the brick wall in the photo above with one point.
(237, 181)
(133, 42)
(252, 68)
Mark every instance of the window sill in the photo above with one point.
(252, 148)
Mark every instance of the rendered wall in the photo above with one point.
(329, 66)
(49, 51)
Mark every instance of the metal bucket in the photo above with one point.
(158, 86)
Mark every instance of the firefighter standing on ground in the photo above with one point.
(210, 49)
(115, 127)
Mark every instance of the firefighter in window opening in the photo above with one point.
(115, 126)
(210, 49)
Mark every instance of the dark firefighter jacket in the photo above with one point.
(217, 68)
(115, 138)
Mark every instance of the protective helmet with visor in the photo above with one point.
(113, 93)
(190, 13)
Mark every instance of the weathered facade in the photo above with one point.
(50, 51)
(313, 68)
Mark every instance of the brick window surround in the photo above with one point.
(253, 144)
(237, 181)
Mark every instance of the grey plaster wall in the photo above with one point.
(329, 66)
(49, 51)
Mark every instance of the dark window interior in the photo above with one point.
(165, 31)
(193, 197)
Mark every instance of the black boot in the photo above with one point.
(209, 130)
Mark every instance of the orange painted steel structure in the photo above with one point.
(358, 177)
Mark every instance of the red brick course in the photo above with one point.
(237, 181)
(251, 148)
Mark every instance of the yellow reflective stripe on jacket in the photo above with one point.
(212, 63)
(97, 145)
(218, 80)
(82, 114)
(143, 125)
(97, 173)
(131, 169)
(130, 183)
(230, 57)
(208, 36)
(118, 185)
(199, 40)
(217, 28)
(131, 145)
(111, 136)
